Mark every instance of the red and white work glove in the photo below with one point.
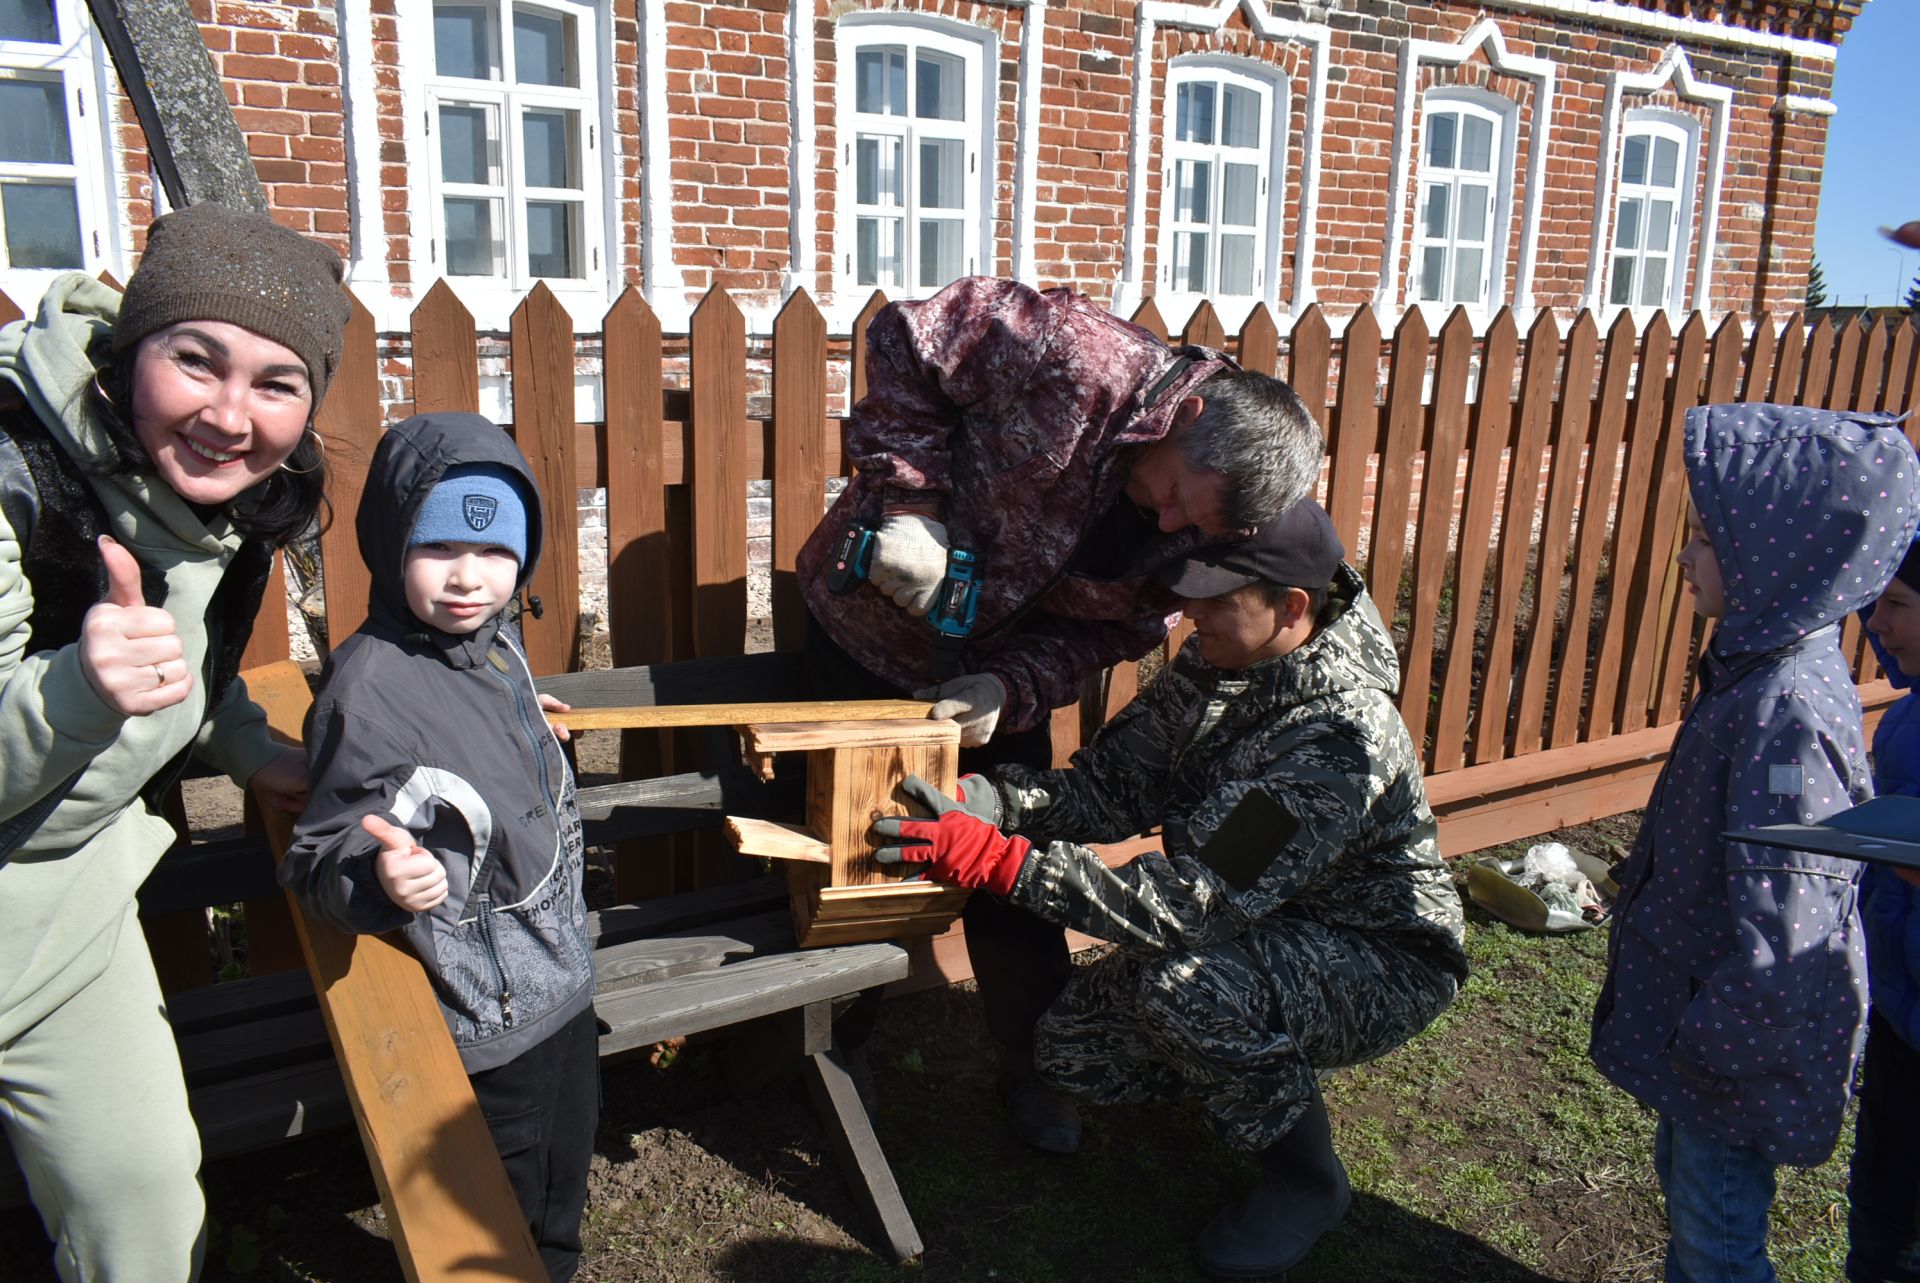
(974, 701)
(909, 560)
(959, 844)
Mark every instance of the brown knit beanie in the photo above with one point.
(211, 263)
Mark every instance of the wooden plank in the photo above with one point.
(685, 803)
(799, 465)
(857, 352)
(1545, 810)
(1603, 465)
(849, 1132)
(1818, 364)
(1063, 732)
(1516, 535)
(684, 715)
(1392, 504)
(1572, 413)
(1630, 522)
(1872, 373)
(543, 429)
(1204, 328)
(10, 311)
(656, 958)
(767, 839)
(1260, 342)
(1492, 427)
(848, 789)
(446, 354)
(1147, 317)
(1758, 381)
(1309, 357)
(765, 677)
(1894, 392)
(269, 640)
(1355, 432)
(1448, 439)
(767, 736)
(682, 913)
(349, 422)
(719, 482)
(1785, 386)
(1846, 364)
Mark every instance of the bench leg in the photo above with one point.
(850, 1131)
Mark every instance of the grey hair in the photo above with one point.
(1255, 431)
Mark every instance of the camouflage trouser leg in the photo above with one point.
(1242, 1026)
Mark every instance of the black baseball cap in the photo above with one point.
(1297, 549)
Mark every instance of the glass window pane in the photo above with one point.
(543, 48)
(43, 224)
(1622, 291)
(462, 42)
(1473, 212)
(553, 238)
(1476, 144)
(880, 81)
(940, 86)
(1239, 117)
(1193, 113)
(1666, 162)
(1633, 159)
(1236, 265)
(33, 122)
(473, 237)
(29, 20)
(940, 251)
(877, 252)
(1192, 184)
(1190, 261)
(876, 165)
(1653, 286)
(1627, 234)
(467, 153)
(1434, 219)
(942, 163)
(1433, 272)
(1467, 287)
(1659, 225)
(1440, 131)
(1239, 198)
(547, 139)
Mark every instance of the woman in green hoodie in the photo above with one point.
(155, 448)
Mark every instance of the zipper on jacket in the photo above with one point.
(493, 956)
(535, 740)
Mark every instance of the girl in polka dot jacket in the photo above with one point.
(1736, 981)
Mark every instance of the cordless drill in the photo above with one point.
(955, 607)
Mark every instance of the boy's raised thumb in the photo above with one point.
(123, 574)
(387, 834)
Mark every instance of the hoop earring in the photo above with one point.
(99, 390)
(319, 445)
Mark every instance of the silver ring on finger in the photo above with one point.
(159, 676)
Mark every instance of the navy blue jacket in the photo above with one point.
(1890, 908)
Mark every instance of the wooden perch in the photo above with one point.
(774, 841)
(798, 736)
(664, 716)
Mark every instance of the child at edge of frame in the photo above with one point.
(1735, 995)
(442, 806)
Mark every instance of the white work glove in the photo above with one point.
(909, 560)
(974, 701)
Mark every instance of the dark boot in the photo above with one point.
(1042, 1117)
(1301, 1194)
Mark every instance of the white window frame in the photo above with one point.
(978, 53)
(1270, 149)
(1683, 130)
(72, 57)
(1502, 114)
(492, 299)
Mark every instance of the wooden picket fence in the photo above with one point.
(1544, 637)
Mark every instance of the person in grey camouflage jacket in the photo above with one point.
(1300, 916)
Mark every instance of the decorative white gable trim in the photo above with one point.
(1674, 69)
(802, 162)
(1390, 297)
(1153, 14)
(1026, 156)
(360, 100)
(1695, 30)
(660, 278)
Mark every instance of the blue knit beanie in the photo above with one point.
(474, 503)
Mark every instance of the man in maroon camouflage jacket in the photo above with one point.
(1072, 453)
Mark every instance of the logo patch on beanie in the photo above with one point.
(479, 510)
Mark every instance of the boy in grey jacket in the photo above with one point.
(442, 806)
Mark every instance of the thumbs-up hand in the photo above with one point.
(408, 872)
(129, 651)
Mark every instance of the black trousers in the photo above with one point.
(1019, 960)
(1884, 1185)
(543, 1107)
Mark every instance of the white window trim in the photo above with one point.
(1673, 69)
(1503, 114)
(1390, 299)
(1271, 83)
(493, 303)
(76, 58)
(978, 49)
(1685, 130)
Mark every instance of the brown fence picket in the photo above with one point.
(10, 311)
(1260, 341)
(1574, 699)
(1785, 387)
(1147, 317)
(349, 422)
(719, 477)
(857, 355)
(1758, 382)
(1572, 413)
(1309, 359)
(1204, 328)
(446, 354)
(1403, 438)
(269, 641)
(1818, 372)
(1846, 363)
(1872, 375)
(543, 414)
(1354, 432)
(1440, 470)
(1524, 463)
(798, 452)
(1899, 381)
(1492, 428)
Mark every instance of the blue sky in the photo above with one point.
(1873, 167)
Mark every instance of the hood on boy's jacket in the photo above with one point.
(1809, 513)
(410, 460)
